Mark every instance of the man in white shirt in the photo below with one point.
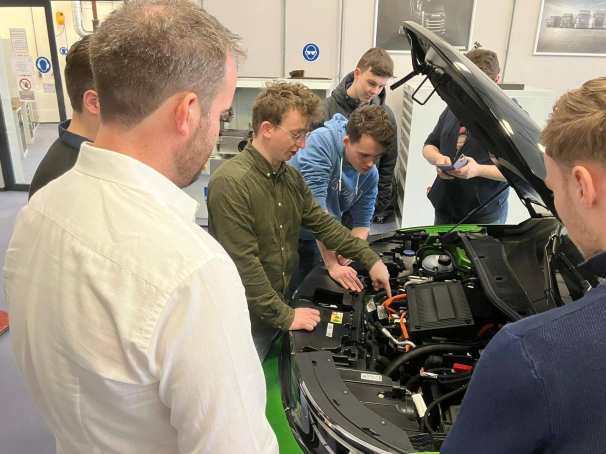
(128, 321)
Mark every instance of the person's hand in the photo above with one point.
(346, 277)
(343, 261)
(305, 318)
(380, 277)
(469, 170)
(443, 160)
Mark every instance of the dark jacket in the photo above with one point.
(60, 157)
(340, 102)
(455, 198)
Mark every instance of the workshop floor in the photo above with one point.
(46, 134)
(22, 430)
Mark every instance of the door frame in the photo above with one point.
(5, 158)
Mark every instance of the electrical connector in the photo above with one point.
(459, 367)
(420, 404)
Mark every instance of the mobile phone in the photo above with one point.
(461, 162)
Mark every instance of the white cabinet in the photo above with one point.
(313, 22)
(274, 33)
(259, 23)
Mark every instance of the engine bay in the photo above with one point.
(406, 361)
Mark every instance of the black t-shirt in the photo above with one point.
(455, 198)
(60, 157)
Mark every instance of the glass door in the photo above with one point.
(31, 93)
(35, 37)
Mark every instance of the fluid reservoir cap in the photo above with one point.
(408, 253)
(444, 260)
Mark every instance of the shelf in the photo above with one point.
(314, 84)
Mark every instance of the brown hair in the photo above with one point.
(373, 121)
(576, 129)
(147, 51)
(486, 60)
(378, 61)
(281, 97)
(78, 73)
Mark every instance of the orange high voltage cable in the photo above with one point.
(393, 299)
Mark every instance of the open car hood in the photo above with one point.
(509, 134)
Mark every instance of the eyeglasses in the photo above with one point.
(301, 136)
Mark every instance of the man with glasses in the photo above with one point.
(338, 165)
(257, 205)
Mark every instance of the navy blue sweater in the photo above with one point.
(540, 385)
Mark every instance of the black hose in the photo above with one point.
(436, 402)
(374, 348)
(383, 361)
(420, 351)
(414, 382)
(381, 294)
(458, 378)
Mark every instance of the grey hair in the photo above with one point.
(147, 51)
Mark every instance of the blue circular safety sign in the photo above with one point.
(311, 52)
(43, 64)
(63, 50)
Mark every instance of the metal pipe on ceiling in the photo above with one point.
(78, 23)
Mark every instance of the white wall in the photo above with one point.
(559, 73)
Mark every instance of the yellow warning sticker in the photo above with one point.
(336, 317)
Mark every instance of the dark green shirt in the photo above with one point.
(256, 212)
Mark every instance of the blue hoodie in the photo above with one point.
(336, 190)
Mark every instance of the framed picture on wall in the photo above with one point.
(571, 27)
(451, 19)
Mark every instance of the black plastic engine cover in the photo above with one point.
(437, 308)
(339, 414)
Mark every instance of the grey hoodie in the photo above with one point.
(340, 102)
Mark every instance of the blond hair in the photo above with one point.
(576, 129)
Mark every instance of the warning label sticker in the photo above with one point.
(336, 317)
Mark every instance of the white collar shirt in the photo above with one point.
(128, 320)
